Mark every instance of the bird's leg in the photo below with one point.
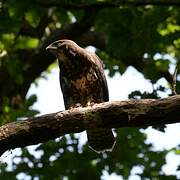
(77, 105)
(89, 103)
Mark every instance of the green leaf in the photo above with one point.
(162, 65)
(24, 42)
(177, 151)
(7, 39)
(32, 17)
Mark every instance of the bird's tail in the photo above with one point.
(101, 139)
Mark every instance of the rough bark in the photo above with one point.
(115, 114)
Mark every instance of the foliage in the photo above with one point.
(146, 37)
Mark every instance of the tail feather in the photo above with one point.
(101, 139)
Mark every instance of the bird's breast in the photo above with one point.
(86, 81)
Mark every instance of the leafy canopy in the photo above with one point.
(145, 37)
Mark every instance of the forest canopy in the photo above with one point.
(137, 33)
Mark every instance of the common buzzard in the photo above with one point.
(83, 82)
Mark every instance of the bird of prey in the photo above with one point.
(83, 83)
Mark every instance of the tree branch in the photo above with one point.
(115, 114)
(107, 4)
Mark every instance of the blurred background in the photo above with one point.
(139, 43)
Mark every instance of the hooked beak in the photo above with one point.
(51, 48)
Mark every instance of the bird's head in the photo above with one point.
(63, 49)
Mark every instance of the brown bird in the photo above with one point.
(83, 82)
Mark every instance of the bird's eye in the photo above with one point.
(58, 45)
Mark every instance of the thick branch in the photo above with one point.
(115, 114)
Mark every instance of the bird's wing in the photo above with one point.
(98, 66)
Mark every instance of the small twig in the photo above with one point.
(174, 81)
